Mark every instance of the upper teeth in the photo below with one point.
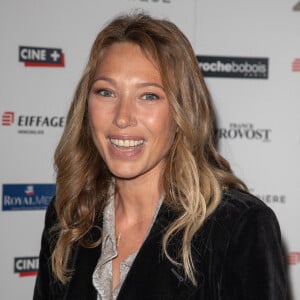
(126, 143)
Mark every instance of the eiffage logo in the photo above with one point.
(8, 118)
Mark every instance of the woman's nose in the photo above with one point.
(125, 114)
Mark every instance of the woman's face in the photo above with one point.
(130, 114)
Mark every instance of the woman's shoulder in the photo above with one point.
(240, 217)
(239, 211)
(240, 199)
(235, 202)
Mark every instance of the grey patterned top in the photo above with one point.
(102, 276)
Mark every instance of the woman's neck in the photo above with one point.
(137, 199)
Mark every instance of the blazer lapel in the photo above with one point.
(84, 263)
(152, 275)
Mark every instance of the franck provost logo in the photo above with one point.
(27, 196)
(234, 67)
(41, 57)
(32, 124)
(26, 266)
(245, 131)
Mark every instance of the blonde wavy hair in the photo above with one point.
(195, 173)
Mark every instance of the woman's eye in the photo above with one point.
(104, 93)
(150, 96)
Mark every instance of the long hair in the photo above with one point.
(195, 173)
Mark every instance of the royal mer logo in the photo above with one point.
(26, 196)
(26, 266)
(234, 67)
(32, 124)
(246, 131)
(41, 57)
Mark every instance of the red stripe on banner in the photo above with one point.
(62, 60)
(25, 274)
(296, 65)
(7, 118)
(39, 64)
(294, 258)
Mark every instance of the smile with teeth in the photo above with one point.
(126, 143)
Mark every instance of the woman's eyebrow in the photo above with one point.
(104, 78)
(139, 84)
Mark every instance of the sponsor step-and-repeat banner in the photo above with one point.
(251, 63)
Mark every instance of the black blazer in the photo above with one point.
(237, 255)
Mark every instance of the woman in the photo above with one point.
(146, 208)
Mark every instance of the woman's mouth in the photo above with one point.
(126, 147)
(126, 143)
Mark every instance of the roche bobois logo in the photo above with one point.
(41, 56)
(234, 67)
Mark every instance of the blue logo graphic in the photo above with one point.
(27, 196)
